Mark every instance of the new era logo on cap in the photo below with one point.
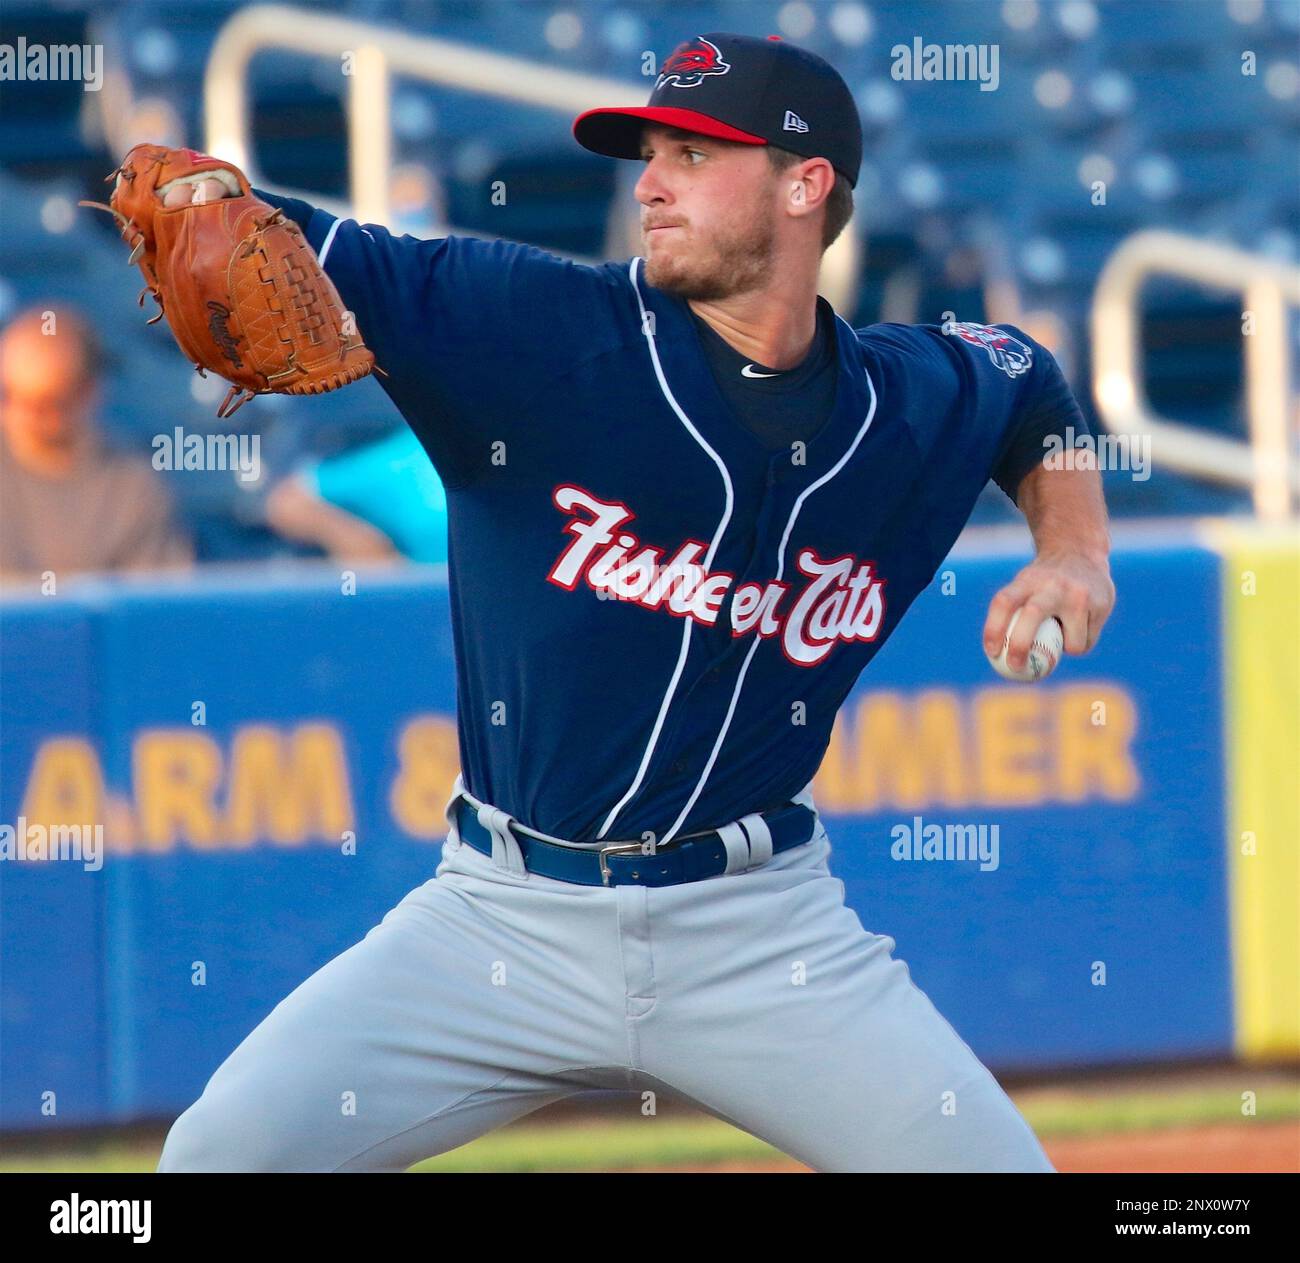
(793, 123)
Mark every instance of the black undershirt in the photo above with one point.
(788, 405)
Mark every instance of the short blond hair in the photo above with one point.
(839, 205)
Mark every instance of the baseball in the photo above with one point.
(1044, 654)
(197, 189)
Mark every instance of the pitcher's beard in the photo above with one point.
(734, 265)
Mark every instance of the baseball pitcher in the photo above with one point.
(687, 503)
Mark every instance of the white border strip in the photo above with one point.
(329, 241)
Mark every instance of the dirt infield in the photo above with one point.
(1226, 1147)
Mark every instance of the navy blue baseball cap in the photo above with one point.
(741, 88)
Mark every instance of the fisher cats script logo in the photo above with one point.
(842, 599)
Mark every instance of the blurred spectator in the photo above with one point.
(67, 502)
(377, 502)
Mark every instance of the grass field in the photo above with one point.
(1161, 1119)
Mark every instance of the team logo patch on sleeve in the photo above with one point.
(688, 63)
(1009, 354)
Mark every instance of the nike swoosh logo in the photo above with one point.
(745, 372)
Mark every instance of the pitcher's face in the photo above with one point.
(708, 213)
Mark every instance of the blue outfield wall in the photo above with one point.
(271, 759)
(1123, 871)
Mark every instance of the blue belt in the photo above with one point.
(683, 859)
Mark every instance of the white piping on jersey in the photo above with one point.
(329, 241)
(780, 570)
(647, 330)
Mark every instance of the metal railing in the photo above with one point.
(376, 54)
(1268, 463)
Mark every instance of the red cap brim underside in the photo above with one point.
(616, 132)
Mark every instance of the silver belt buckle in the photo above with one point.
(615, 848)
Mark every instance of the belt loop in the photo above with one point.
(760, 839)
(505, 846)
(733, 838)
(805, 798)
(453, 838)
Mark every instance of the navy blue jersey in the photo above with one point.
(643, 590)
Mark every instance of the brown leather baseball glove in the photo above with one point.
(239, 285)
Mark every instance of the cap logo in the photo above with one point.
(793, 123)
(690, 62)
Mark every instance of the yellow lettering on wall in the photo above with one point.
(66, 785)
(1095, 760)
(839, 783)
(896, 751)
(428, 759)
(940, 743)
(176, 774)
(1013, 745)
(872, 762)
(287, 789)
(999, 746)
